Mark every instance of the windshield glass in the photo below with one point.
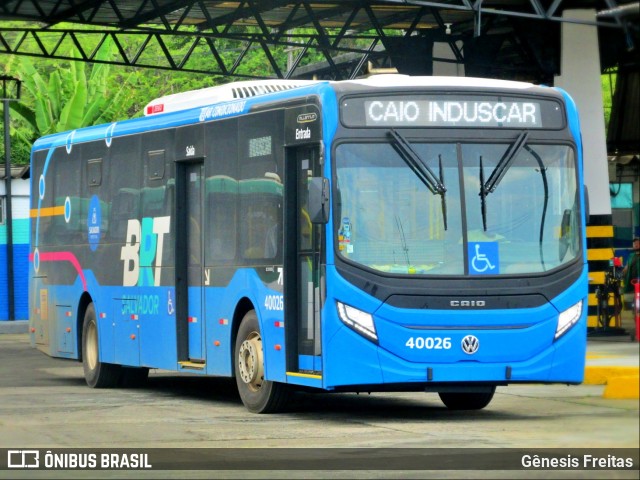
(390, 221)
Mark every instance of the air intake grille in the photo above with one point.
(254, 90)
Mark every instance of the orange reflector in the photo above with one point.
(33, 330)
(217, 343)
(278, 347)
(68, 329)
(133, 336)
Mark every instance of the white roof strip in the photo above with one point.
(221, 93)
(399, 80)
(248, 89)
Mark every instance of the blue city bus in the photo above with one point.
(387, 234)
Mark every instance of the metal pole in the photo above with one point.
(9, 217)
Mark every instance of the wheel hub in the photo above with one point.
(251, 366)
(92, 346)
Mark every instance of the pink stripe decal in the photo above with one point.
(63, 257)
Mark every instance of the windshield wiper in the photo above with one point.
(403, 239)
(545, 183)
(498, 173)
(434, 183)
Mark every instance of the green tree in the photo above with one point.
(69, 98)
(608, 88)
(20, 150)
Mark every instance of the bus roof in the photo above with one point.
(398, 80)
(220, 93)
(238, 90)
(239, 97)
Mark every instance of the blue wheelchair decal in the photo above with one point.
(483, 258)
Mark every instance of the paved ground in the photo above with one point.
(44, 403)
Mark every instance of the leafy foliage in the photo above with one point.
(63, 96)
(608, 89)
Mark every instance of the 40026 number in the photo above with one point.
(429, 343)
(274, 302)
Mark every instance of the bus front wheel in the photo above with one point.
(96, 373)
(257, 394)
(467, 400)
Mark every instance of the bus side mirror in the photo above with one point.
(319, 200)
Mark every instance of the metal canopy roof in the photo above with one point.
(327, 39)
(516, 39)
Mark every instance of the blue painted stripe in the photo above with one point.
(20, 282)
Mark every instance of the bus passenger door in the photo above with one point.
(302, 265)
(189, 255)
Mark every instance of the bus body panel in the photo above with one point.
(529, 349)
(561, 362)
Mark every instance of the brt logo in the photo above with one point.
(144, 245)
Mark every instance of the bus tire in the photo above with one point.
(256, 393)
(467, 400)
(96, 373)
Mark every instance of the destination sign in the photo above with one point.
(449, 111)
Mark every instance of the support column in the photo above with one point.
(9, 216)
(442, 50)
(580, 77)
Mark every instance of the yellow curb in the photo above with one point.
(623, 388)
(599, 375)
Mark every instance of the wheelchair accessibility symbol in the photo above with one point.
(483, 258)
(170, 309)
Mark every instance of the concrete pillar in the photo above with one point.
(442, 50)
(580, 77)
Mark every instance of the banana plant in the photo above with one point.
(69, 98)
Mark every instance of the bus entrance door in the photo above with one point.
(302, 288)
(189, 251)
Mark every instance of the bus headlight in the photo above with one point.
(357, 320)
(568, 319)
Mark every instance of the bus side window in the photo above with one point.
(124, 206)
(221, 201)
(153, 201)
(261, 206)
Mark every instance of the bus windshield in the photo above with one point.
(390, 221)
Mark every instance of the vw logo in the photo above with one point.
(470, 344)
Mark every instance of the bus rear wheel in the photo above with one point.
(96, 373)
(467, 400)
(257, 394)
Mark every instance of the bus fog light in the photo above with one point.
(568, 319)
(357, 320)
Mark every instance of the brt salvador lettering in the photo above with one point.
(144, 244)
(141, 305)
